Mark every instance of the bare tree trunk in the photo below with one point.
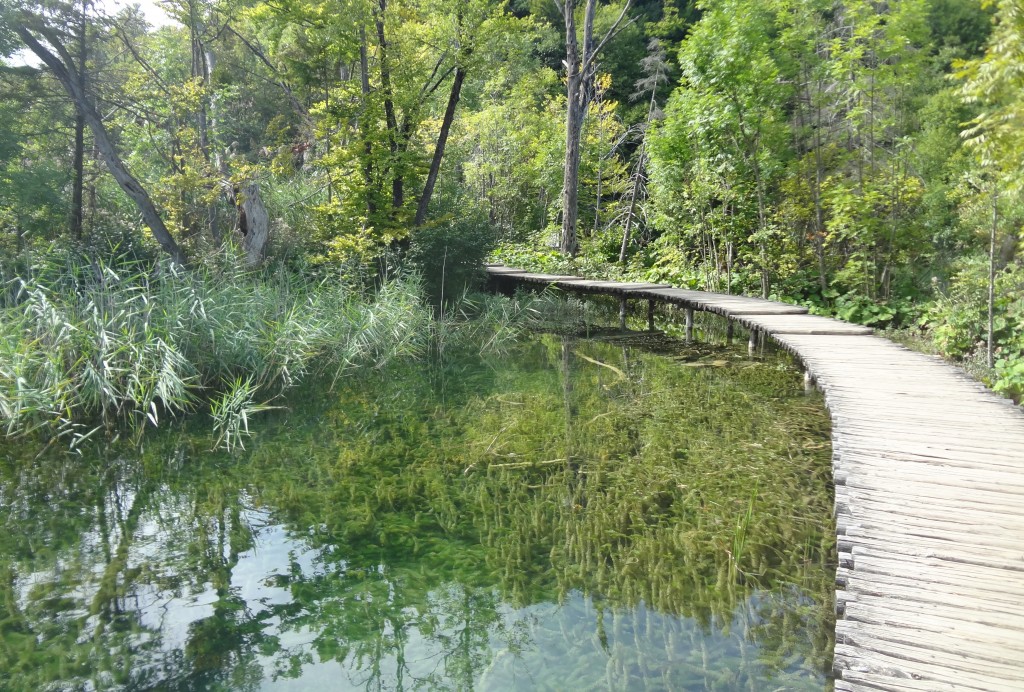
(78, 179)
(819, 176)
(638, 175)
(94, 156)
(201, 73)
(203, 63)
(78, 162)
(580, 71)
(1008, 248)
(364, 126)
(634, 194)
(442, 141)
(990, 345)
(575, 111)
(253, 222)
(63, 69)
(397, 184)
(570, 179)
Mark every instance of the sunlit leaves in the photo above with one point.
(995, 83)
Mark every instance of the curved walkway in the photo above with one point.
(929, 475)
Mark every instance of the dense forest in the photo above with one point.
(863, 158)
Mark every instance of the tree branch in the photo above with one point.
(438, 83)
(612, 33)
(297, 105)
(67, 77)
(437, 66)
(139, 59)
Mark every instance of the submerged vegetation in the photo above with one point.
(626, 513)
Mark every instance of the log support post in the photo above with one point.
(650, 315)
(729, 331)
(622, 313)
(689, 324)
(752, 343)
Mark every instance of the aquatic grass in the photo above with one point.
(231, 413)
(483, 322)
(739, 538)
(121, 344)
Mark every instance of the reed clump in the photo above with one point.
(89, 344)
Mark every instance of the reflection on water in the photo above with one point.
(574, 515)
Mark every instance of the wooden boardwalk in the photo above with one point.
(929, 475)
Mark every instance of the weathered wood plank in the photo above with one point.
(801, 324)
(858, 680)
(542, 278)
(872, 656)
(928, 573)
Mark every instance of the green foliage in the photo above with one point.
(994, 82)
(957, 321)
(858, 308)
(33, 170)
(718, 156)
(961, 25)
(449, 254)
(511, 149)
(88, 343)
(809, 151)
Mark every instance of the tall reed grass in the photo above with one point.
(88, 344)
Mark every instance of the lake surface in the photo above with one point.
(584, 514)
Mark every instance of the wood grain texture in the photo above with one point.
(929, 473)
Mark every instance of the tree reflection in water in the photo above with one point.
(577, 513)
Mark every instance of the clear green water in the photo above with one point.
(572, 515)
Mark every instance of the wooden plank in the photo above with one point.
(1010, 559)
(921, 587)
(800, 324)
(941, 622)
(969, 461)
(958, 514)
(864, 680)
(959, 651)
(920, 449)
(608, 287)
(541, 278)
(872, 656)
(977, 578)
(724, 304)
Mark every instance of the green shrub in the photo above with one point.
(449, 254)
(958, 321)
